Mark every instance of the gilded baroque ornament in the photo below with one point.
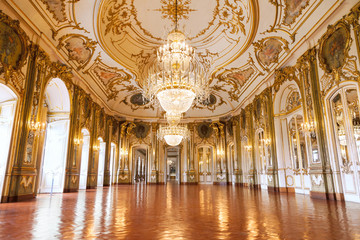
(137, 101)
(211, 103)
(124, 25)
(14, 49)
(290, 15)
(79, 48)
(168, 9)
(334, 56)
(113, 80)
(231, 81)
(268, 50)
(56, 8)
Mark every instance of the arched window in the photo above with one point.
(57, 113)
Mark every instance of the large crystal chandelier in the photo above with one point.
(176, 79)
(173, 134)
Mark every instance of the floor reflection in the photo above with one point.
(178, 212)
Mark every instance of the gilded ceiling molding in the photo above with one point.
(110, 79)
(58, 18)
(56, 8)
(285, 74)
(232, 80)
(79, 48)
(334, 57)
(287, 12)
(137, 101)
(120, 27)
(14, 48)
(211, 103)
(62, 71)
(168, 10)
(267, 50)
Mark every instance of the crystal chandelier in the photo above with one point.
(176, 79)
(173, 134)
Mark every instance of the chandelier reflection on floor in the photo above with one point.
(176, 80)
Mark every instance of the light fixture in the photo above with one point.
(96, 147)
(123, 152)
(173, 134)
(176, 79)
(77, 141)
(248, 147)
(37, 126)
(266, 141)
(173, 118)
(308, 126)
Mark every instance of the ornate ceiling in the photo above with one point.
(111, 43)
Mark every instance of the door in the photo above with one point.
(205, 165)
(100, 179)
(84, 162)
(346, 128)
(53, 170)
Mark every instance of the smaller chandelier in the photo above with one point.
(173, 134)
(173, 118)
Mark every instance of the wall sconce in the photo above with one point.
(220, 152)
(77, 141)
(123, 152)
(96, 147)
(248, 147)
(37, 126)
(267, 141)
(308, 126)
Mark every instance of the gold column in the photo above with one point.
(326, 188)
(22, 180)
(74, 150)
(124, 172)
(94, 149)
(154, 174)
(238, 176)
(273, 171)
(108, 139)
(191, 173)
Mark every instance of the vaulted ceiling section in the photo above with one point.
(111, 44)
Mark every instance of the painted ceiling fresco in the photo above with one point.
(111, 44)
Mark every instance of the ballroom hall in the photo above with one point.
(179, 119)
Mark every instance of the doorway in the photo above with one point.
(173, 164)
(101, 164)
(139, 165)
(8, 101)
(57, 107)
(205, 165)
(84, 158)
(345, 118)
(112, 162)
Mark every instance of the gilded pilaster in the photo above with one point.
(154, 174)
(72, 172)
(108, 138)
(191, 173)
(238, 174)
(94, 149)
(319, 169)
(23, 173)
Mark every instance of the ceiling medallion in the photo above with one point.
(176, 80)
